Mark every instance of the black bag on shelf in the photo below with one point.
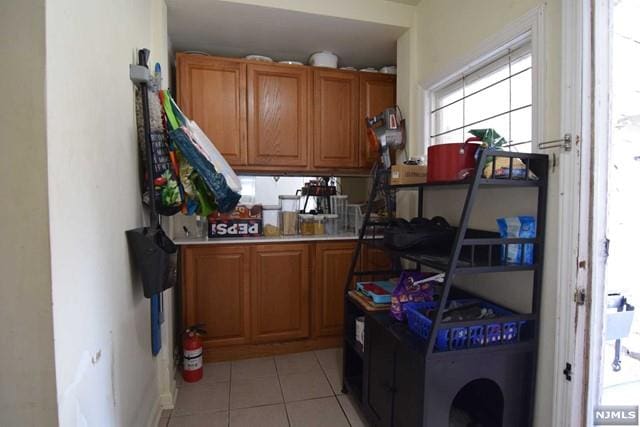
(420, 233)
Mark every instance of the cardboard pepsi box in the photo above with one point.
(244, 221)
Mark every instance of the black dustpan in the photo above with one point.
(150, 246)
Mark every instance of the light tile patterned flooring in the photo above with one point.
(297, 390)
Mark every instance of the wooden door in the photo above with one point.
(216, 290)
(278, 105)
(280, 292)
(377, 92)
(335, 126)
(212, 92)
(380, 371)
(332, 262)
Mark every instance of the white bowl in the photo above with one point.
(324, 59)
(369, 70)
(348, 68)
(258, 58)
(389, 69)
(290, 62)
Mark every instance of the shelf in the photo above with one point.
(484, 182)
(440, 262)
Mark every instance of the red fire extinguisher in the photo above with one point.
(192, 350)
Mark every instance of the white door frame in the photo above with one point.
(585, 113)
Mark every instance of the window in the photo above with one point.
(495, 95)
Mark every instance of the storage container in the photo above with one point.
(311, 224)
(289, 207)
(500, 332)
(451, 162)
(271, 220)
(339, 207)
(332, 224)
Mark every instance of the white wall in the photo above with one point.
(27, 377)
(442, 34)
(106, 375)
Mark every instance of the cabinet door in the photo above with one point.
(377, 92)
(332, 262)
(280, 292)
(335, 126)
(216, 292)
(376, 260)
(379, 393)
(278, 115)
(409, 388)
(212, 92)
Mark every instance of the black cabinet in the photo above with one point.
(381, 364)
(393, 396)
(409, 388)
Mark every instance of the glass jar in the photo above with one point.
(271, 220)
(289, 207)
(331, 224)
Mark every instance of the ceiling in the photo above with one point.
(233, 29)
(410, 2)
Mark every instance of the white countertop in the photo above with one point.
(263, 239)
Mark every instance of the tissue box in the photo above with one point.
(408, 174)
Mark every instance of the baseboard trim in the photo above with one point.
(246, 351)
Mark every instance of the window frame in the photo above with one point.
(529, 28)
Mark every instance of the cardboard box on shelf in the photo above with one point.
(244, 221)
(408, 174)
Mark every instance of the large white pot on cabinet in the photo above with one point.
(324, 59)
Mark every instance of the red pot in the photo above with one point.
(451, 162)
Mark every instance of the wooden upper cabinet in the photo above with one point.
(278, 110)
(280, 292)
(332, 262)
(212, 92)
(335, 125)
(377, 92)
(216, 292)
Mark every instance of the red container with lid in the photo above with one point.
(451, 162)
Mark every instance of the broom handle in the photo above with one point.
(143, 57)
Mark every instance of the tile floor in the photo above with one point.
(297, 390)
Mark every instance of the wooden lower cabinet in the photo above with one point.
(375, 260)
(279, 292)
(332, 262)
(216, 292)
(265, 299)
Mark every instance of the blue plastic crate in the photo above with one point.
(468, 336)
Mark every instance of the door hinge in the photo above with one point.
(605, 247)
(567, 371)
(580, 296)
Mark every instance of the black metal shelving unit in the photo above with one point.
(388, 396)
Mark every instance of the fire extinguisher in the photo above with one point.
(192, 369)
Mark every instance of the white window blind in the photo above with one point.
(496, 95)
